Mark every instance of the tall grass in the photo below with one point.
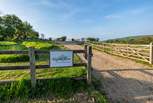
(55, 83)
(55, 88)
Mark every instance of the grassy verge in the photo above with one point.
(57, 86)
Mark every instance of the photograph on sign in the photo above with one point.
(61, 58)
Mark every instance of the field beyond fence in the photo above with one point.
(63, 84)
(142, 53)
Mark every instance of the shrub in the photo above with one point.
(12, 47)
(13, 58)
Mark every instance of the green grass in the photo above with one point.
(57, 84)
(13, 58)
(7, 43)
(43, 73)
(39, 45)
(12, 47)
(55, 88)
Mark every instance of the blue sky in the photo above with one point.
(84, 18)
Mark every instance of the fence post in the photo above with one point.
(151, 54)
(104, 47)
(32, 66)
(89, 62)
(85, 48)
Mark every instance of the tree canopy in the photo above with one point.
(13, 28)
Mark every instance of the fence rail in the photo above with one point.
(32, 66)
(36, 51)
(131, 51)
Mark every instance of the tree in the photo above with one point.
(50, 39)
(92, 39)
(1, 29)
(13, 28)
(72, 39)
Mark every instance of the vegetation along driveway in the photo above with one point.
(123, 80)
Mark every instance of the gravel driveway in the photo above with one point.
(124, 80)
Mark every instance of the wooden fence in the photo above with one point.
(136, 52)
(32, 66)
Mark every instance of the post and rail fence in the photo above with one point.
(136, 52)
(32, 62)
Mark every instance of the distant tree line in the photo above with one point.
(144, 39)
(92, 39)
(64, 38)
(13, 28)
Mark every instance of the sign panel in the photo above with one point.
(61, 58)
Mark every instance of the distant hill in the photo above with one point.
(143, 39)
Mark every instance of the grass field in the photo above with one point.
(58, 87)
(54, 85)
(40, 45)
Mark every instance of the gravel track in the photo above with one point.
(124, 80)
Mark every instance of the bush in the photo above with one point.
(12, 47)
(13, 58)
(92, 39)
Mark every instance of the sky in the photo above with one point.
(105, 19)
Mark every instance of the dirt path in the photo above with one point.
(124, 81)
